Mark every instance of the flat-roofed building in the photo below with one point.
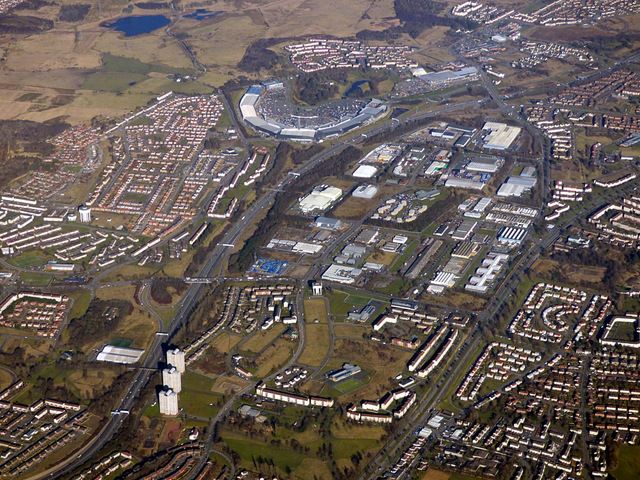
(113, 354)
(320, 198)
(499, 136)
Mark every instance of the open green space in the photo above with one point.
(317, 331)
(341, 303)
(628, 465)
(197, 397)
(36, 279)
(30, 258)
(81, 301)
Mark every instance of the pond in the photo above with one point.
(138, 24)
(358, 88)
(202, 14)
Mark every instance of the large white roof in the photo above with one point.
(365, 171)
(111, 353)
(500, 136)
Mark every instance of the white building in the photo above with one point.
(85, 214)
(175, 358)
(321, 198)
(171, 378)
(499, 136)
(168, 400)
(365, 191)
(365, 171)
(341, 274)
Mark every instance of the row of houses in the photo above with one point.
(319, 54)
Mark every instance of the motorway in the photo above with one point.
(189, 302)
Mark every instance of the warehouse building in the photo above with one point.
(365, 171)
(320, 198)
(365, 191)
(512, 236)
(327, 223)
(113, 354)
(341, 274)
(499, 136)
(516, 186)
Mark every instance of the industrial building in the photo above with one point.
(446, 77)
(487, 272)
(113, 354)
(516, 186)
(499, 136)
(341, 274)
(327, 223)
(365, 191)
(320, 198)
(365, 171)
(512, 236)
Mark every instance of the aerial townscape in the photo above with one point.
(319, 239)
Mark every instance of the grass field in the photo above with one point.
(341, 303)
(225, 342)
(553, 270)
(345, 440)
(273, 357)
(316, 332)
(380, 363)
(36, 279)
(81, 301)
(197, 397)
(353, 208)
(432, 474)
(30, 258)
(628, 464)
(261, 339)
(6, 378)
(87, 385)
(283, 458)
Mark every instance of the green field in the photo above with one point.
(628, 466)
(351, 384)
(118, 73)
(35, 279)
(81, 301)
(30, 258)
(341, 303)
(196, 397)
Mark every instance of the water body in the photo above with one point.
(355, 89)
(202, 14)
(138, 24)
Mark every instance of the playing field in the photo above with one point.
(317, 340)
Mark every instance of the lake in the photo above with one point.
(138, 24)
